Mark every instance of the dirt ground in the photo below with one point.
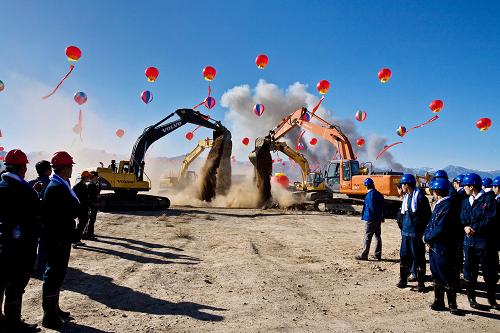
(243, 270)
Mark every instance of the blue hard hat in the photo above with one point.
(408, 179)
(472, 179)
(459, 178)
(368, 182)
(496, 181)
(441, 174)
(487, 182)
(440, 184)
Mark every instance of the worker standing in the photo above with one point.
(496, 189)
(373, 215)
(442, 246)
(416, 211)
(82, 193)
(61, 207)
(19, 207)
(480, 243)
(94, 190)
(458, 195)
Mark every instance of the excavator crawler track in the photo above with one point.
(109, 202)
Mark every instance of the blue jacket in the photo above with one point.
(442, 225)
(373, 208)
(414, 223)
(45, 181)
(480, 217)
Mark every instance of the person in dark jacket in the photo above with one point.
(61, 207)
(496, 190)
(94, 190)
(480, 243)
(416, 212)
(373, 214)
(441, 236)
(82, 193)
(19, 207)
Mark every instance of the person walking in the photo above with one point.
(416, 212)
(94, 190)
(441, 236)
(19, 209)
(61, 207)
(480, 242)
(373, 215)
(82, 193)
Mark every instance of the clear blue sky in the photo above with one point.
(447, 50)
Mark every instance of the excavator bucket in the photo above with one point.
(261, 159)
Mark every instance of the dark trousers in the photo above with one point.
(83, 219)
(487, 258)
(58, 254)
(442, 261)
(15, 275)
(372, 228)
(89, 230)
(413, 251)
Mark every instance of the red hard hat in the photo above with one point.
(16, 156)
(61, 158)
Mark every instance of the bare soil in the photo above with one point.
(243, 270)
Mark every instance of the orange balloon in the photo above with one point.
(120, 133)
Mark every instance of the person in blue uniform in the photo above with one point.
(61, 207)
(19, 210)
(416, 212)
(480, 244)
(373, 215)
(496, 189)
(442, 247)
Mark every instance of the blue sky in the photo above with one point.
(445, 50)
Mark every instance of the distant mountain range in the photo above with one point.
(453, 171)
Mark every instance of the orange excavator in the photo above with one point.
(342, 176)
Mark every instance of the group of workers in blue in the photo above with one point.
(37, 215)
(462, 232)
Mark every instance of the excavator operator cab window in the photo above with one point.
(351, 168)
(333, 173)
(347, 170)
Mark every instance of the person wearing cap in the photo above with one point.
(480, 243)
(82, 193)
(496, 189)
(416, 212)
(457, 193)
(373, 215)
(94, 189)
(441, 237)
(61, 207)
(19, 209)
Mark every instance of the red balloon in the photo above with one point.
(436, 105)
(2, 158)
(384, 75)
(261, 61)
(313, 141)
(281, 179)
(360, 142)
(120, 133)
(323, 86)
(152, 73)
(245, 141)
(189, 135)
(484, 124)
(73, 53)
(2, 148)
(209, 73)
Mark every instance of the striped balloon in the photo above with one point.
(209, 102)
(2, 86)
(360, 115)
(258, 109)
(146, 96)
(80, 97)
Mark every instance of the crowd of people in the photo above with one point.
(462, 232)
(37, 230)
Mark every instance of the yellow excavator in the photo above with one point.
(185, 176)
(127, 179)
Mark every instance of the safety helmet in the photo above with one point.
(61, 158)
(440, 184)
(16, 156)
(441, 174)
(496, 181)
(487, 182)
(408, 178)
(85, 173)
(368, 182)
(459, 178)
(472, 179)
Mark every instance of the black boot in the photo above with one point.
(471, 295)
(451, 294)
(438, 304)
(13, 322)
(491, 291)
(421, 281)
(62, 314)
(50, 317)
(403, 277)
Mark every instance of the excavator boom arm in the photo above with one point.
(294, 156)
(191, 156)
